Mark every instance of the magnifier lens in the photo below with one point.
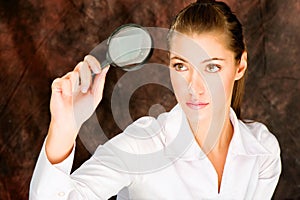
(129, 46)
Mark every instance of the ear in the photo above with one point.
(242, 66)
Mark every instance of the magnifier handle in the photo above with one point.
(97, 53)
(103, 64)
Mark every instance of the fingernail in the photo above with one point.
(97, 70)
(84, 89)
(105, 70)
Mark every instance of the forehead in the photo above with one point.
(200, 46)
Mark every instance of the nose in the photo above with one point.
(196, 84)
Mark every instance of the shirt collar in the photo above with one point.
(177, 130)
(243, 141)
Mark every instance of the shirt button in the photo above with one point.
(61, 194)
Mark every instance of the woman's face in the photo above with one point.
(203, 71)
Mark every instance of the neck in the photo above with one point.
(225, 137)
(213, 139)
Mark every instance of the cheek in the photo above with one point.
(179, 84)
(228, 82)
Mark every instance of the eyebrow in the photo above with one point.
(204, 61)
(211, 59)
(178, 58)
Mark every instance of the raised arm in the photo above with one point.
(74, 98)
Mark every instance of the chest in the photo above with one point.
(196, 179)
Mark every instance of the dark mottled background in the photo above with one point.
(41, 40)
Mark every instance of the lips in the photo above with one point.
(196, 105)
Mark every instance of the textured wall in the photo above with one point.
(41, 40)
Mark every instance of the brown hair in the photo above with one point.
(207, 16)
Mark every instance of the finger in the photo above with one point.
(77, 67)
(56, 86)
(74, 78)
(85, 76)
(66, 87)
(93, 63)
(98, 85)
(67, 75)
(66, 84)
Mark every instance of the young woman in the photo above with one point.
(204, 150)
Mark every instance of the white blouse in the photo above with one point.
(159, 159)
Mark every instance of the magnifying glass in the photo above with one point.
(128, 47)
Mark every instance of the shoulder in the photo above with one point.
(262, 134)
(143, 140)
(269, 162)
(145, 135)
(254, 138)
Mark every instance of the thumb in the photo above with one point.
(98, 85)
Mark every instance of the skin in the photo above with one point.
(73, 100)
(75, 97)
(191, 73)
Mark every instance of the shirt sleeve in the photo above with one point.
(270, 170)
(93, 180)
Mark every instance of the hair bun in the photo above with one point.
(206, 1)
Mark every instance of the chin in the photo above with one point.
(196, 114)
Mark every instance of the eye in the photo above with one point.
(180, 67)
(212, 68)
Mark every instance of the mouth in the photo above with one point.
(196, 105)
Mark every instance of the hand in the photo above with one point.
(74, 98)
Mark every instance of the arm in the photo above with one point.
(49, 180)
(93, 180)
(74, 98)
(270, 170)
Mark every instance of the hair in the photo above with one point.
(213, 16)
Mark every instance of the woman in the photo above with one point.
(206, 152)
